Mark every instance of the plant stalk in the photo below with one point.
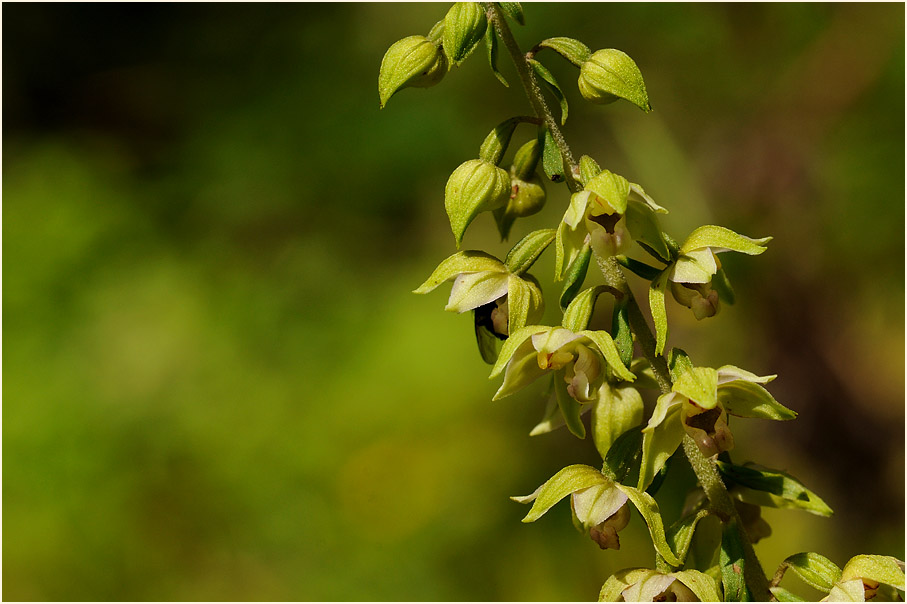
(705, 470)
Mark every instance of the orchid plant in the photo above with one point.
(602, 373)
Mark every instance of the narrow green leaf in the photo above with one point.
(883, 569)
(527, 250)
(661, 437)
(575, 276)
(659, 312)
(514, 11)
(464, 26)
(570, 407)
(569, 480)
(650, 513)
(616, 410)
(605, 344)
(552, 162)
(747, 399)
(491, 46)
(732, 565)
(573, 50)
(816, 571)
(782, 595)
(551, 83)
(497, 141)
(638, 268)
(624, 454)
(680, 534)
(721, 239)
(783, 490)
(621, 332)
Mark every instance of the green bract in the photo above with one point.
(464, 27)
(609, 75)
(474, 187)
(698, 405)
(411, 62)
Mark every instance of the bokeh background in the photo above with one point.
(219, 386)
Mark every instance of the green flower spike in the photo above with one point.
(647, 585)
(599, 506)
(502, 301)
(609, 213)
(698, 405)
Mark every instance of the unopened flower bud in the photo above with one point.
(475, 186)
(464, 26)
(525, 160)
(411, 62)
(610, 75)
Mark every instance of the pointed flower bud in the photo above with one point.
(609, 75)
(475, 186)
(411, 62)
(464, 26)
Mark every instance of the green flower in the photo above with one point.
(502, 301)
(609, 213)
(647, 585)
(698, 405)
(576, 358)
(692, 273)
(599, 506)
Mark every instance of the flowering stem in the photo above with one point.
(705, 470)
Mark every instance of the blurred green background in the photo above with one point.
(219, 386)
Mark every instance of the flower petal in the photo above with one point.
(596, 504)
(729, 373)
(661, 436)
(522, 370)
(470, 261)
(472, 290)
(720, 239)
(570, 479)
(694, 267)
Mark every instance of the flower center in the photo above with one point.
(554, 360)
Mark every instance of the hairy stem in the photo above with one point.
(705, 470)
(533, 92)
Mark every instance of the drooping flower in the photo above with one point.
(609, 213)
(698, 405)
(868, 577)
(502, 301)
(599, 506)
